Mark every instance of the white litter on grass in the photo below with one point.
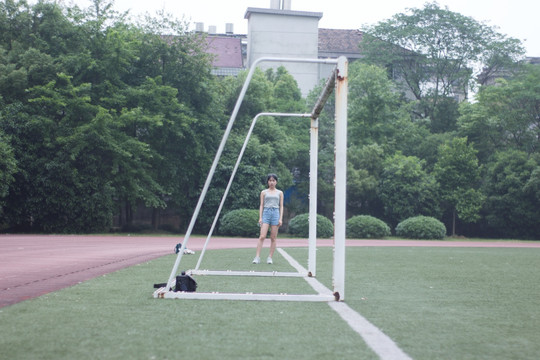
(186, 250)
(378, 341)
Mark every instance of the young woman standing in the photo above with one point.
(270, 216)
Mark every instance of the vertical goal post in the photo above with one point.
(338, 80)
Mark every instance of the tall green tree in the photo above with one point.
(379, 125)
(15, 23)
(286, 93)
(512, 207)
(363, 176)
(506, 116)
(458, 174)
(407, 190)
(8, 167)
(168, 49)
(374, 106)
(435, 55)
(49, 192)
(103, 114)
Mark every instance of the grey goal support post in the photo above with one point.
(338, 80)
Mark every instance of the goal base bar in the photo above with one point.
(163, 294)
(247, 273)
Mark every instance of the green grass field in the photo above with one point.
(435, 303)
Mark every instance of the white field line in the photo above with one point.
(378, 341)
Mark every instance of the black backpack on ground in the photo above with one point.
(185, 283)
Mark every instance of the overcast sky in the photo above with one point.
(514, 18)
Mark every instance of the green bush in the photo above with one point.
(299, 226)
(366, 227)
(240, 222)
(421, 227)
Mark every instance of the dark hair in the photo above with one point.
(271, 176)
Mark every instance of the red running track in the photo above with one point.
(33, 265)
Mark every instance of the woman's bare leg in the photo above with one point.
(262, 237)
(273, 237)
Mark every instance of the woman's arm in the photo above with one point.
(280, 208)
(261, 207)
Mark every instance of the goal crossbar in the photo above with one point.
(337, 79)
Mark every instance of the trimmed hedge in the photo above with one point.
(421, 227)
(299, 226)
(366, 227)
(240, 222)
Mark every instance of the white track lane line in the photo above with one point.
(378, 341)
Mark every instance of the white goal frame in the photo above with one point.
(338, 80)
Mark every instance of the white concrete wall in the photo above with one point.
(284, 33)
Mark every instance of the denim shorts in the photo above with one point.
(270, 216)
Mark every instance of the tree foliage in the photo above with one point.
(458, 174)
(94, 120)
(106, 121)
(8, 166)
(507, 115)
(435, 55)
(510, 209)
(407, 190)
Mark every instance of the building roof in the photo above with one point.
(229, 54)
(336, 42)
(251, 10)
(227, 51)
(533, 60)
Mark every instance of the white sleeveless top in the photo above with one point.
(271, 200)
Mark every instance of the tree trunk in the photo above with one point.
(155, 218)
(121, 216)
(454, 222)
(129, 214)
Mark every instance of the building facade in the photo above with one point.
(285, 34)
(281, 32)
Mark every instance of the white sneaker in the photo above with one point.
(257, 260)
(269, 260)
